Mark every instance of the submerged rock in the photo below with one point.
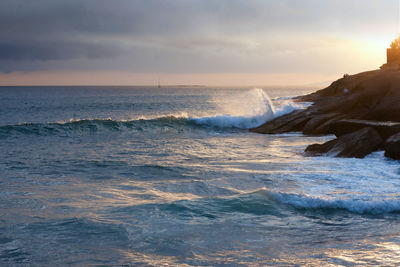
(353, 145)
(392, 147)
(320, 149)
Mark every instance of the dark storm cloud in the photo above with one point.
(131, 33)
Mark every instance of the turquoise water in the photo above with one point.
(148, 176)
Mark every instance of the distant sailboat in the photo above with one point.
(159, 85)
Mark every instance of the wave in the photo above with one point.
(264, 202)
(228, 121)
(249, 110)
(244, 111)
(360, 206)
(87, 125)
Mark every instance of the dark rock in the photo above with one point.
(385, 129)
(353, 145)
(312, 127)
(372, 95)
(325, 128)
(320, 149)
(369, 99)
(291, 122)
(392, 147)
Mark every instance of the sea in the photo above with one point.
(171, 176)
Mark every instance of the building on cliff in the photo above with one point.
(393, 55)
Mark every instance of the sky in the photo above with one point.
(202, 42)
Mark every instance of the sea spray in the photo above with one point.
(286, 106)
(243, 110)
(248, 110)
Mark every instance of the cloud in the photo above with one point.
(182, 35)
(50, 50)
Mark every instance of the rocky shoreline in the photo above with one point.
(362, 111)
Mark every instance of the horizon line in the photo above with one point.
(164, 86)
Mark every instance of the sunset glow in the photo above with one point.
(199, 133)
(199, 42)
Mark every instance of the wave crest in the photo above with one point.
(244, 111)
(360, 206)
(89, 125)
(249, 110)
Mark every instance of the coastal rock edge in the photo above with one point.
(362, 110)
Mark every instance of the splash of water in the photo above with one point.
(245, 110)
(248, 110)
(241, 110)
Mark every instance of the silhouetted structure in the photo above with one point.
(393, 55)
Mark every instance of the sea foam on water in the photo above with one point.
(145, 176)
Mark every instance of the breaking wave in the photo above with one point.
(264, 202)
(360, 206)
(244, 111)
(249, 110)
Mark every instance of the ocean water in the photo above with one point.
(144, 176)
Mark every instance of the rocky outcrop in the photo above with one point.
(366, 100)
(353, 145)
(373, 95)
(292, 122)
(392, 147)
(385, 129)
(318, 124)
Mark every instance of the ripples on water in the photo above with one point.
(147, 176)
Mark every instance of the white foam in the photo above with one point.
(361, 206)
(245, 110)
(248, 110)
(179, 115)
(242, 110)
(228, 121)
(287, 106)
